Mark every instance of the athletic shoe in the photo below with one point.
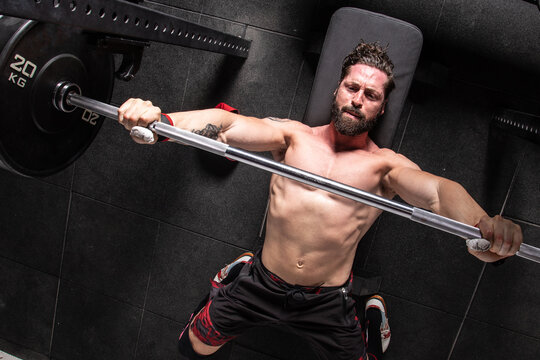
(378, 303)
(231, 271)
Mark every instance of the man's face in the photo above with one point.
(359, 100)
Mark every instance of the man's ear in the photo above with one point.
(382, 108)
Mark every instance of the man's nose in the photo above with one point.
(358, 99)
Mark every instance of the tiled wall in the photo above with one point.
(107, 259)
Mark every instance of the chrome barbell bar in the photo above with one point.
(69, 94)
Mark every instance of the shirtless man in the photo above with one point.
(301, 276)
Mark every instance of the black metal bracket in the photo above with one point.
(125, 18)
(131, 51)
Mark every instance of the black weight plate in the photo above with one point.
(36, 139)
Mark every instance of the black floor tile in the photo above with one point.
(179, 185)
(303, 89)
(158, 338)
(447, 135)
(183, 265)
(423, 265)
(206, 89)
(508, 294)
(289, 17)
(62, 178)
(460, 23)
(277, 342)
(109, 250)
(242, 353)
(523, 202)
(32, 222)
(163, 71)
(161, 78)
(419, 13)
(419, 332)
(482, 341)
(27, 300)
(92, 326)
(264, 85)
(505, 153)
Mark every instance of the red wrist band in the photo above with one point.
(167, 120)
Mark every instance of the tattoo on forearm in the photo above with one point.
(210, 131)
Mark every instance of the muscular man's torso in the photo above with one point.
(311, 234)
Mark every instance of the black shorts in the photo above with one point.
(325, 316)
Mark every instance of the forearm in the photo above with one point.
(450, 199)
(246, 132)
(454, 201)
(457, 204)
(210, 122)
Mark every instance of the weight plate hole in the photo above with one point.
(102, 13)
(137, 21)
(114, 17)
(88, 10)
(56, 3)
(73, 6)
(126, 19)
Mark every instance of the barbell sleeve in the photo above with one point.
(413, 213)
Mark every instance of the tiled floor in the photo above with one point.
(107, 259)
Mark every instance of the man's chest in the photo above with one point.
(358, 168)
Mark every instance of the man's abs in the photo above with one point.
(312, 235)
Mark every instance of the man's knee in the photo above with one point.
(197, 351)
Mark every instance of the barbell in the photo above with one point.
(67, 96)
(44, 107)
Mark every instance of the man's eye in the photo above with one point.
(372, 96)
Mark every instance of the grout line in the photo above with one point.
(296, 88)
(516, 171)
(146, 291)
(62, 259)
(157, 220)
(510, 187)
(439, 20)
(467, 311)
(405, 128)
(529, 223)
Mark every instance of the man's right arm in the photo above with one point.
(249, 133)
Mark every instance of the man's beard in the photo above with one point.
(348, 126)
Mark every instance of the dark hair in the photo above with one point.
(371, 54)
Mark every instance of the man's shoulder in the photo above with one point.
(289, 124)
(395, 159)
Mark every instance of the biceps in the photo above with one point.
(415, 186)
(254, 134)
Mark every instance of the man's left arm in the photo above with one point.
(450, 199)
